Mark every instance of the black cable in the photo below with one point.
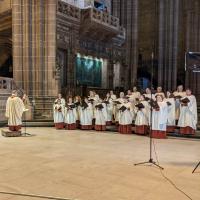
(34, 196)
(168, 179)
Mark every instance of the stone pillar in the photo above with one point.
(34, 50)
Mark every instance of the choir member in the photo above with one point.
(125, 118)
(77, 102)
(112, 95)
(148, 95)
(142, 116)
(160, 92)
(70, 115)
(135, 94)
(171, 119)
(59, 113)
(188, 114)
(109, 109)
(25, 99)
(14, 110)
(100, 116)
(159, 117)
(117, 105)
(61, 99)
(178, 94)
(86, 115)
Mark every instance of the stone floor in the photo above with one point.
(96, 166)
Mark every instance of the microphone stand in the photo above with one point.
(151, 161)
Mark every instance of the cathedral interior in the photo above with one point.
(122, 147)
(47, 47)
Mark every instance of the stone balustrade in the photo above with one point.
(6, 83)
(69, 10)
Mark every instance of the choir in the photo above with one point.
(134, 112)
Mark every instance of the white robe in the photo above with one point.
(177, 103)
(150, 96)
(142, 116)
(109, 110)
(62, 101)
(126, 117)
(188, 114)
(14, 110)
(171, 118)
(58, 116)
(116, 108)
(70, 115)
(86, 115)
(101, 115)
(159, 118)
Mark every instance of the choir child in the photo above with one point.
(61, 99)
(159, 117)
(59, 113)
(117, 105)
(109, 109)
(188, 114)
(86, 115)
(149, 95)
(70, 115)
(142, 116)
(125, 118)
(100, 116)
(160, 92)
(178, 94)
(14, 110)
(135, 95)
(112, 95)
(77, 102)
(171, 119)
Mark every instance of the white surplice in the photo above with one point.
(188, 114)
(14, 110)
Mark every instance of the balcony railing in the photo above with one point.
(6, 83)
(69, 10)
(103, 18)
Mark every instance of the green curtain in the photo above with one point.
(88, 71)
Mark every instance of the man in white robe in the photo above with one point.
(14, 111)
(188, 114)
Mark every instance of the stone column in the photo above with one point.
(34, 51)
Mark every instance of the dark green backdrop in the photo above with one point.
(88, 71)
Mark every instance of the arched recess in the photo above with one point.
(6, 63)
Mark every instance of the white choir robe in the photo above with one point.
(100, 118)
(58, 116)
(142, 119)
(159, 120)
(109, 111)
(70, 117)
(86, 117)
(171, 117)
(134, 96)
(188, 116)
(160, 94)
(177, 103)
(125, 119)
(62, 101)
(14, 110)
(150, 96)
(116, 109)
